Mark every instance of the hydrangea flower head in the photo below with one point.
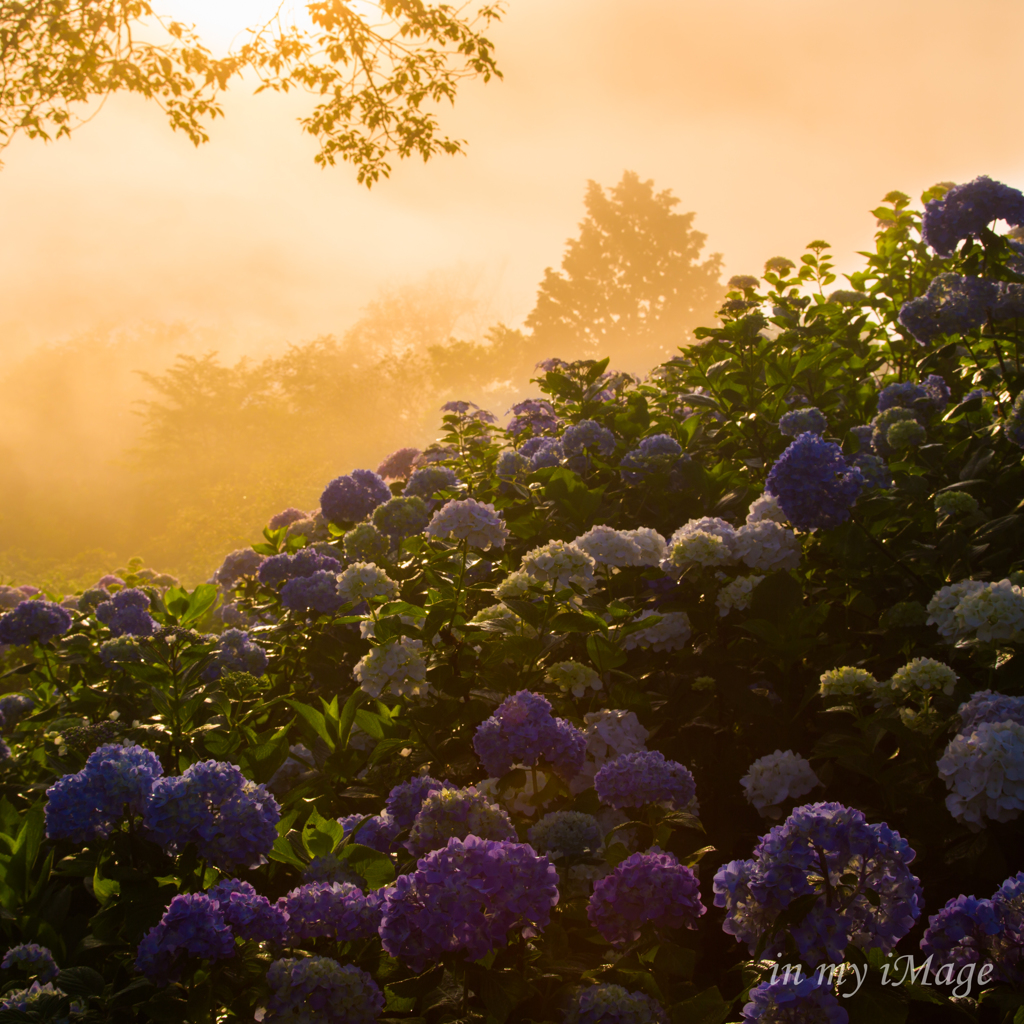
(955, 503)
(612, 1004)
(212, 804)
(33, 959)
(587, 437)
(469, 520)
(953, 304)
(559, 563)
(534, 414)
(567, 834)
(401, 517)
(767, 546)
(333, 910)
(90, 803)
(645, 888)
(805, 1001)
(364, 581)
(317, 988)
(800, 421)
(766, 507)
(668, 631)
(942, 608)
(398, 465)
(248, 914)
(278, 569)
(38, 621)
(192, 926)
(775, 778)
(608, 546)
(365, 543)
(523, 730)
(317, 592)
(984, 771)
(959, 933)
(737, 594)
(286, 518)
(571, 676)
(405, 800)
(377, 831)
(426, 481)
(466, 898)
(397, 666)
(448, 813)
(237, 652)
(965, 210)
(924, 675)
(658, 453)
(122, 650)
(989, 706)
(238, 564)
(349, 499)
(644, 777)
(904, 434)
(814, 485)
(127, 612)
(543, 452)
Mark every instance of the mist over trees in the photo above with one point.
(150, 443)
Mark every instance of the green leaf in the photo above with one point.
(80, 981)
(577, 622)
(375, 867)
(321, 836)
(316, 720)
(283, 853)
(604, 654)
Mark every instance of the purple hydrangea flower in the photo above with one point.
(250, 915)
(192, 926)
(783, 1000)
(236, 652)
(426, 481)
(405, 800)
(37, 621)
(319, 988)
(13, 706)
(278, 569)
(547, 453)
(349, 499)
(212, 804)
(952, 305)
(243, 562)
(511, 468)
(644, 777)
(870, 896)
(875, 471)
(612, 1004)
(90, 803)
(398, 465)
(658, 453)
(814, 485)
(989, 706)
(588, 436)
(333, 910)
(522, 730)
(535, 415)
(466, 898)
(286, 518)
(456, 813)
(800, 421)
(33, 959)
(377, 831)
(965, 210)
(318, 593)
(904, 394)
(645, 888)
(127, 613)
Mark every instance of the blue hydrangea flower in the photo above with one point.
(863, 433)
(318, 593)
(286, 518)
(466, 898)
(236, 652)
(398, 465)
(13, 706)
(784, 1000)
(904, 394)
(874, 470)
(644, 777)
(965, 210)
(535, 415)
(426, 481)
(32, 959)
(91, 598)
(658, 453)
(90, 803)
(278, 569)
(646, 887)
(333, 910)
(401, 517)
(33, 999)
(952, 305)
(545, 454)
(319, 989)
(612, 1004)
(37, 621)
(567, 834)
(349, 499)
(127, 612)
(192, 926)
(522, 730)
(212, 804)
(800, 421)
(588, 436)
(250, 915)
(814, 485)
(377, 831)
(243, 562)
(511, 468)
(870, 898)
(990, 706)
(405, 800)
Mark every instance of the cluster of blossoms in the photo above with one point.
(775, 778)
(860, 873)
(377, 831)
(364, 581)
(954, 305)
(37, 1000)
(955, 503)
(989, 706)
(335, 910)
(762, 544)
(919, 679)
(456, 813)
(847, 681)
(522, 731)
(618, 548)
(646, 888)
(970, 931)
(279, 569)
(612, 1004)
(317, 592)
(405, 800)
(470, 520)
(983, 768)
(236, 652)
(399, 464)
(365, 543)
(320, 989)
(249, 915)
(535, 415)
(814, 484)
(349, 499)
(34, 621)
(800, 421)
(966, 210)
(426, 481)
(644, 777)
(608, 734)
(991, 611)
(192, 926)
(658, 454)
(667, 631)
(467, 896)
(557, 564)
(127, 611)
(567, 834)
(541, 452)
(397, 666)
(401, 517)
(237, 565)
(284, 519)
(807, 1001)
(572, 677)
(766, 507)
(32, 959)
(737, 594)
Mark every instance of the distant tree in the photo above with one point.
(631, 286)
(374, 81)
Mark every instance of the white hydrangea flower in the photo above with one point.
(670, 634)
(652, 545)
(519, 799)
(924, 719)
(766, 507)
(955, 503)
(737, 594)
(499, 614)
(701, 548)
(942, 607)
(924, 674)
(609, 733)
(364, 581)
(993, 613)
(572, 676)
(623, 547)
(984, 771)
(847, 682)
(772, 780)
(709, 524)
(469, 520)
(514, 585)
(397, 666)
(767, 546)
(560, 563)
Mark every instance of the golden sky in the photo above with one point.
(776, 122)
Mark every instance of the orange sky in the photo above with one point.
(776, 122)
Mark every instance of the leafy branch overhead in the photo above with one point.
(375, 80)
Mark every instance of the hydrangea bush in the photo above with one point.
(525, 726)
